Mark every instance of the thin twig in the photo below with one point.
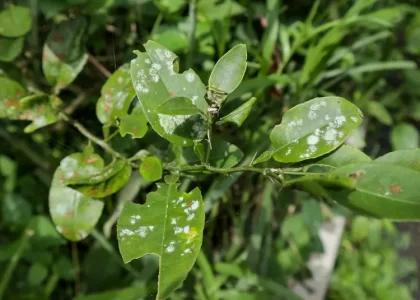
(99, 66)
(14, 261)
(76, 266)
(21, 145)
(84, 131)
(193, 23)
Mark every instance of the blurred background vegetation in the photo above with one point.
(257, 240)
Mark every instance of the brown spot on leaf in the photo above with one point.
(90, 160)
(92, 191)
(395, 189)
(58, 38)
(69, 214)
(171, 94)
(357, 174)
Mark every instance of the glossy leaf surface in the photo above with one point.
(229, 70)
(314, 128)
(383, 190)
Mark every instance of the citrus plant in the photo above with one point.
(306, 151)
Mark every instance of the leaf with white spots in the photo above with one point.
(155, 80)
(104, 182)
(116, 96)
(64, 55)
(314, 128)
(179, 106)
(15, 21)
(41, 109)
(74, 214)
(170, 224)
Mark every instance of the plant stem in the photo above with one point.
(99, 66)
(156, 25)
(193, 24)
(76, 266)
(219, 170)
(14, 261)
(111, 136)
(91, 137)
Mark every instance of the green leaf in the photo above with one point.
(173, 38)
(116, 96)
(170, 6)
(345, 155)
(239, 115)
(404, 136)
(36, 274)
(382, 190)
(10, 94)
(64, 56)
(178, 106)
(200, 151)
(222, 155)
(379, 112)
(99, 176)
(314, 128)
(266, 155)
(15, 21)
(214, 10)
(134, 124)
(10, 48)
(151, 168)
(104, 182)
(169, 225)
(155, 80)
(409, 158)
(229, 70)
(74, 214)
